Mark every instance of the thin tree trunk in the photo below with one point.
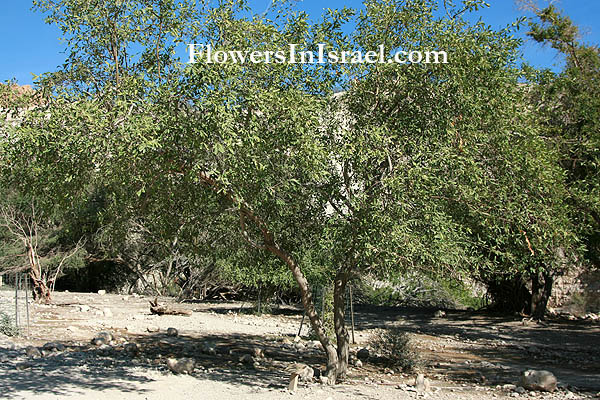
(341, 333)
(311, 312)
(41, 291)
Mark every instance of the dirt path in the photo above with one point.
(465, 355)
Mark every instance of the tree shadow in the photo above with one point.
(89, 367)
(495, 348)
(66, 372)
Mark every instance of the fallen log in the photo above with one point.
(161, 309)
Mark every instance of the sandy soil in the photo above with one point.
(465, 355)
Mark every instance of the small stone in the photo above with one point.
(293, 386)
(538, 380)
(358, 364)
(24, 365)
(182, 366)
(153, 329)
(520, 390)
(323, 380)
(107, 312)
(125, 298)
(246, 359)
(299, 346)
(102, 338)
(258, 352)
(101, 292)
(53, 346)
(363, 354)
(304, 372)
(131, 348)
(105, 350)
(33, 352)
(209, 348)
(83, 308)
(172, 332)
(439, 314)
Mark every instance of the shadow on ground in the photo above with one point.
(89, 367)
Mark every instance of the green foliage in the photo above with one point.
(7, 325)
(418, 290)
(395, 348)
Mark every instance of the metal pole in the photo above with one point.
(27, 302)
(352, 314)
(17, 300)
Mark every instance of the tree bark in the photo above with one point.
(41, 291)
(541, 289)
(271, 246)
(341, 333)
(311, 312)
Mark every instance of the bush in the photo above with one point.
(7, 327)
(394, 348)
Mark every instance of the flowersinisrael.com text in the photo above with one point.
(205, 53)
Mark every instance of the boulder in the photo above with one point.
(181, 366)
(363, 354)
(53, 346)
(303, 372)
(538, 380)
(102, 338)
(33, 352)
(131, 348)
(172, 332)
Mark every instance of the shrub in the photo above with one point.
(394, 348)
(7, 327)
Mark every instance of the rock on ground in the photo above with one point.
(182, 366)
(538, 380)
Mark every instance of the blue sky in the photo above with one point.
(29, 46)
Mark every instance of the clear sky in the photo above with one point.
(29, 46)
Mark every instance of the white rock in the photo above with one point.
(182, 366)
(538, 380)
(107, 312)
(101, 292)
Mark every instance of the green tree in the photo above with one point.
(411, 166)
(569, 111)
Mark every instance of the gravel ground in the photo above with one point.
(464, 355)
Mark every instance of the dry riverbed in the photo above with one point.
(238, 355)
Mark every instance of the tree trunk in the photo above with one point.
(41, 291)
(311, 312)
(341, 333)
(541, 289)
